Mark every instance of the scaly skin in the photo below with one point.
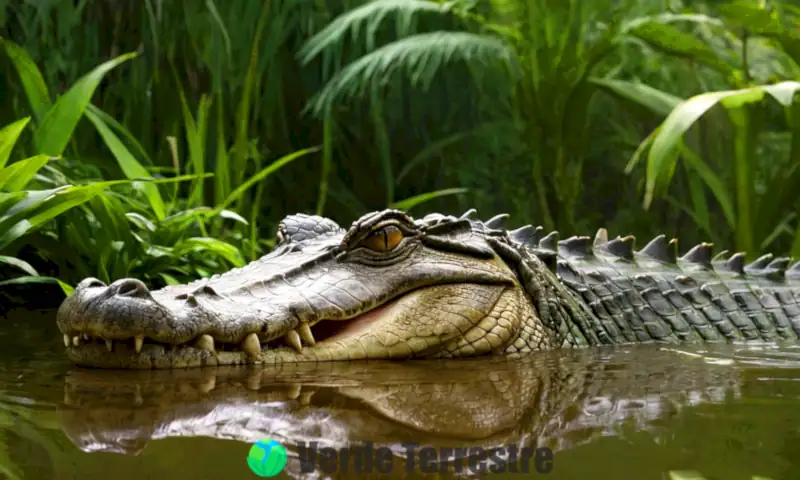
(437, 287)
(560, 400)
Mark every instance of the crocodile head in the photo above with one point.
(389, 287)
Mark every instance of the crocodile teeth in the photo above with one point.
(306, 335)
(138, 341)
(251, 345)
(206, 342)
(293, 339)
(109, 345)
(305, 398)
(76, 340)
(294, 391)
(66, 340)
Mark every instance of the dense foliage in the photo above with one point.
(165, 140)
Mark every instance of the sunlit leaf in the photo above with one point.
(265, 172)
(664, 151)
(32, 81)
(56, 128)
(20, 264)
(129, 165)
(16, 176)
(205, 244)
(8, 138)
(408, 203)
(229, 214)
(657, 101)
(25, 280)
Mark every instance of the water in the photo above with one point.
(727, 412)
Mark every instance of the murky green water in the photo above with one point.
(729, 412)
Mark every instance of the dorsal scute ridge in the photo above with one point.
(470, 214)
(600, 237)
(759, 264)
(527, 235)
(580, 247)
(497, 222)
(658, 249)
(550, 241)
(734, 264)
(619, 247)
(699, 255)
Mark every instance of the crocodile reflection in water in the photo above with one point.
(558, 400)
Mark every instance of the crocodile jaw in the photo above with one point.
(441, 321)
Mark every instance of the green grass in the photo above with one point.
(178, 158)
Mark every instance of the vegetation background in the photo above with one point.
(166, 140)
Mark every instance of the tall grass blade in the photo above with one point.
(131, 167)
(32, 81)
(55, 130)
(411, 202)
(16, 176)
(8, 138)
(266, 171)
(20, 264)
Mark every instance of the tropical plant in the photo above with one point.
(112, 234)
(756, 198)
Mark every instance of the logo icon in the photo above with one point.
(266, 458)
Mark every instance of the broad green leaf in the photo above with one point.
(56, 128)
(141, 221)
(66, 288)
(742, 97)
(121, 130)
(9, 199)
(657, 101)
(29, 199)
(752, 16)
(8, 138)
(783, 92)
(266, 171)
(169, 279)
(16, 176)
(65, 200)
(664, 151)
(32, 81)
(9, 235)
(53, 206)
(129, 165)
(229, 214)
(206, 244)
(408, 203)
(20, 264)
(675, 42)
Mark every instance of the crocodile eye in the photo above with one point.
(384, 239)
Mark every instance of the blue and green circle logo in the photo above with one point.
(267, 458)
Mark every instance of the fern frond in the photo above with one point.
(370, 17)
(419, 56)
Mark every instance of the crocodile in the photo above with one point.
(395, 287)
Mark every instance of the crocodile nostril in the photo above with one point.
(90, 283)
(131, 287)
